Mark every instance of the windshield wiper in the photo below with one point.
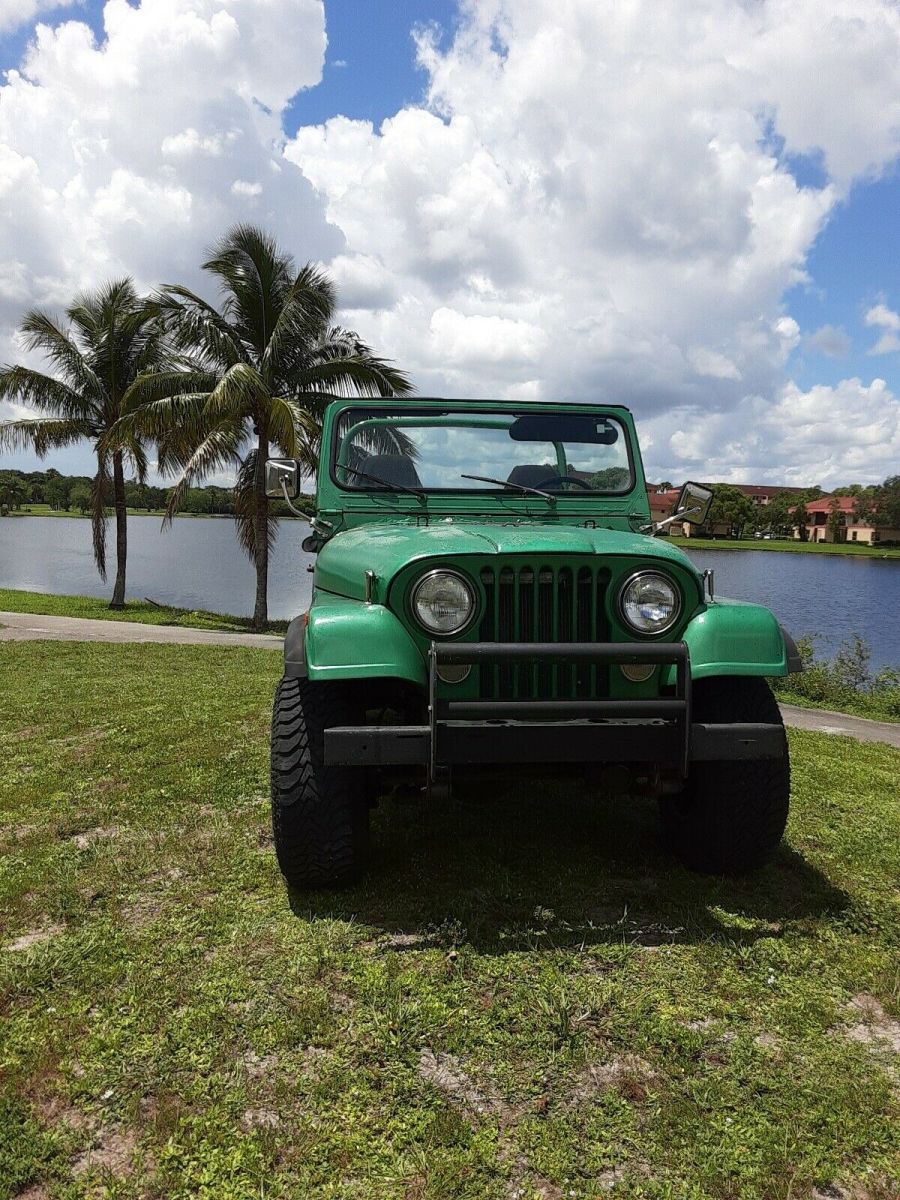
(520, 487)
(386, 483)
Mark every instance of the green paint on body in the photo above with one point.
(379, 542)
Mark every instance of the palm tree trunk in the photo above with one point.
(261, 519)
(118, 599)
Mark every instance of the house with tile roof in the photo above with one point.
(845, 527)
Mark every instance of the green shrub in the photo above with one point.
(844, 682)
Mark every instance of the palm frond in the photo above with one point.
(42, 333)
(306, 311)
(355, 375)
(99, 488)
(255, 278)
(195, 325)
(239, 393)
(42, 434)
(245, 509)
(291, 426)
(43, 392)
(217, 449)
(153, 386)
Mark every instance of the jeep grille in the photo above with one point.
(542, 603)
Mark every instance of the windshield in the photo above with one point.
(515, 452)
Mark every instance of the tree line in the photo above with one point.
(878, 504)
(21, 490)
(205, 387)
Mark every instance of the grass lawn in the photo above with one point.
(786, 545)
(526, 998)
(136, 610)
(44, 510)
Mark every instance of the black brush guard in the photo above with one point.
(476, 732)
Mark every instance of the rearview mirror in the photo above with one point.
(694, 500)
(281, 473)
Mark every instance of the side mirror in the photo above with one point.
(281, 472)
(694, 501)
(310, 544)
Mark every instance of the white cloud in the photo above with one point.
(712, 364)
(132, 153)
(884, 318)
(592, 201)
(16, 13)
(831, 341)
(241, 187)
(827, 435)
(590, 204)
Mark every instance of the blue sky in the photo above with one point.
(854, 265)
(616, 205)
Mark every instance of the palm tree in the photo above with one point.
(112, 337)
(257, 373)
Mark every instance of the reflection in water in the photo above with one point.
(829, 595)
(198, 564)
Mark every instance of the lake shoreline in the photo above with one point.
(148, 612)
(785, 546)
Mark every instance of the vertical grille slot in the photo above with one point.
(541, 603)
(506, 626)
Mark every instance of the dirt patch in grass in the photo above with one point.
(404, 941)
(874, 1026)
(445, 1072)
(112, 1150)
(57, 1111)
(632, 1077)
(85, 840)
(259, 1118)
(143, 912)
(34, 937)
(259, 1066)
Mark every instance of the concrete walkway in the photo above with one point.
(18, 627)
(824, 721)
(26, 627)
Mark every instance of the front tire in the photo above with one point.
(731, 816)
(320, 817)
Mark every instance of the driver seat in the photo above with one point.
(395, 469)
(530, 474)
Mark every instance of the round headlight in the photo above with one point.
(650, 603)
(443, 602)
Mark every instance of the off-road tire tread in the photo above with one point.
(319, 818)
(731, 816)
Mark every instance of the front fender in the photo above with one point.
(733, 638)
(342, 638)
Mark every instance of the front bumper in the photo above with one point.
(657, 731)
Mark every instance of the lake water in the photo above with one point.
(198, 564)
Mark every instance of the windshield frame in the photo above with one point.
(432, 413)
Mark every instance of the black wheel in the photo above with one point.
(320, 815)
(731, 815)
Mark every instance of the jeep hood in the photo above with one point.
(386, 549)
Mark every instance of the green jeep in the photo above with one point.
(489, 595)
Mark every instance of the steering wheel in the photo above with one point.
(563, 479)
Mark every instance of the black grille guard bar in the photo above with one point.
(448, 740)
(658, 731)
